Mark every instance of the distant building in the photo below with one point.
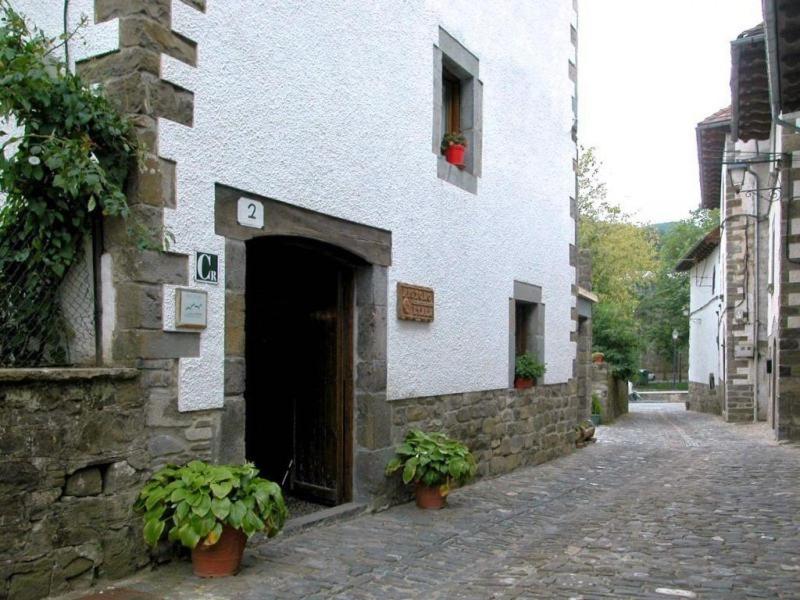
(749, 156)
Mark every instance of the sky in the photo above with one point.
(648, 72)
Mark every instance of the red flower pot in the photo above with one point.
(221, 559)
(523, 383)
(454, 154)
(429, 497)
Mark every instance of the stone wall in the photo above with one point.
(73, 455)
(611, 391)
(504, 428)
(787, 409)
(703, 399)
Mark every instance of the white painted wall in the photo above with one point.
(704, 310)
(328, 105)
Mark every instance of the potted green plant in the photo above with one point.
(434, 463)
(527, 369)
(454, 145)
(597, 410)
(212, 510)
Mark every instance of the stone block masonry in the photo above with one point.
(703, 399)
(504, 428)
(73, 455)
(611, 391)
(786, 415)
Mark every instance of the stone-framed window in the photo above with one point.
(525, 324)
(457, 106)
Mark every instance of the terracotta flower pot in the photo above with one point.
(221, 559)
(429, 497)
(523, 383)
(455, 154)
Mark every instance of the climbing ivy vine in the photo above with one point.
(64, 159)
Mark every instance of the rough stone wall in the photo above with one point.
(73, 456)
(504, 428)
(77, 447)
(611, 391)
(584, 338)
(787, 411)
(132, 79)
(703, 399)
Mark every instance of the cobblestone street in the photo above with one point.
(666, 504)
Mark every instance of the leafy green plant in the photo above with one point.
(191, 503)
(528, 367)
(451, 139)
(65, 159)
(433, 459)
(597, 408)
(616, 334)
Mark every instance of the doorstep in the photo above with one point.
(323, 517)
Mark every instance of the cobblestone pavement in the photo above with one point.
(666, 504)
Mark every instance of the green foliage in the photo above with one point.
(451, 139)
(67, 159)
(665, 297)
(190, 504)
(597, 408)
(623, 260)
(615, 334)
(622, 252)
(528, 367)
(433, 459)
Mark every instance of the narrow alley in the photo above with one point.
(667, 503)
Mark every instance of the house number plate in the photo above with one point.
(250, 213)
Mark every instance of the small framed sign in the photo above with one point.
(250, 213)
(206, 268)
(414, 303)
(191, 308)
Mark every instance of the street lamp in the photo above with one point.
(737, 172)
(674, 356)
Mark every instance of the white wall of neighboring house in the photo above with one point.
(328, 105)
(704, 310)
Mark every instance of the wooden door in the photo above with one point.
(321, 409)
(299, 368)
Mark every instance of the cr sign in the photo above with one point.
(207, 267)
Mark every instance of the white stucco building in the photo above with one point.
(748, 169)
(293, 156)
(706, 330)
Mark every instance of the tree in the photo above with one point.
(665, 297)
(623, 257)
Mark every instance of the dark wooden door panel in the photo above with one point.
(316, 436)
(299, 371)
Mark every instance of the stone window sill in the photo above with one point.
(66, 374)
(455, 176)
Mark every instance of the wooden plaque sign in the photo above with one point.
(414, 303)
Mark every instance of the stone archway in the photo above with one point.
(371, 425)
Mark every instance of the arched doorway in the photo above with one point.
(299, 356)
(306, 301)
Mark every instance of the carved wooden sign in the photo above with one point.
(414, 303)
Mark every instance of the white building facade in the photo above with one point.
(748, 169)
(351, 282)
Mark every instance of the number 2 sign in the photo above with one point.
(250, 213)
